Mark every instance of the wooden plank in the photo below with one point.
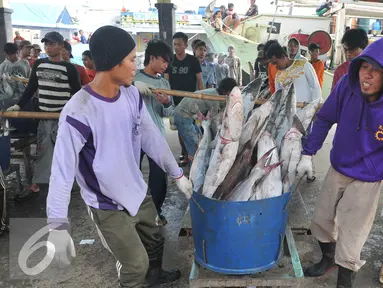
(201, 277)
(295, 260)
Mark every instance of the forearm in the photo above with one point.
(200, 84)
(317, 136)
(167, 110)
(154, 145)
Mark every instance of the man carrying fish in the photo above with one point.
(186, 112)
(297, 71)
(346, 206)
(103, 129)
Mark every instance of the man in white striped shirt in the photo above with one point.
(56, 81)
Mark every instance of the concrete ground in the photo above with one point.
(95, 267)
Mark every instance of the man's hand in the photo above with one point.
(305, 166)
(143, 88)
(185, 186)
(59, 245)
(14, 108)
(163, 98)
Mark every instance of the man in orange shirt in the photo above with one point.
(271, 69)
(89, 64)
(317, 64)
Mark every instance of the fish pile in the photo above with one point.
(255, 152)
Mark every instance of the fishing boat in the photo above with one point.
(261, 28)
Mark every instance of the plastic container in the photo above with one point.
(238, 238)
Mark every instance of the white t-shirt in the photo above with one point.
(302, 74)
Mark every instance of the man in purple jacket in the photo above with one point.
(346, 206)
(102, 130)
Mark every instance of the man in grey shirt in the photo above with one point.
(158, 55)
(187, 109)
(221, 69)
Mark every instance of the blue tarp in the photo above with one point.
(40, 15)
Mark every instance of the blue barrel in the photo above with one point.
(5, 155)
(238, 238)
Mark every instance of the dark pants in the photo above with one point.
(158, 183)
(135, 241)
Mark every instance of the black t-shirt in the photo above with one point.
(182, 75)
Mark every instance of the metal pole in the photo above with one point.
(272, 23)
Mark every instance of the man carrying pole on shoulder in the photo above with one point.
(103, 129)
(158, 55)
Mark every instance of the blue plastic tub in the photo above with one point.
(238, 238)
(5, 152)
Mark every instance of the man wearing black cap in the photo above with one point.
(66, 54)
(56, 81)
(103, 129)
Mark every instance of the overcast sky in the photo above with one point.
(241, 5)
(182, 5)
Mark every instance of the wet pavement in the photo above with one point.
(94, 266)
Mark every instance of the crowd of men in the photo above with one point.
(114, 106)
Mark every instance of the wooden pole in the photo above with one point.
(29, 115)
(201, 96)
(51, 115)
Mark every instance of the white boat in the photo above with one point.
(256, 30)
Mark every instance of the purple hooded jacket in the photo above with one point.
(357, 150)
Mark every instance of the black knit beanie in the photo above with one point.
(109, 45)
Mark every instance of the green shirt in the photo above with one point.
(156, 110)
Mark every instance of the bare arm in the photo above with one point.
(200, 81)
